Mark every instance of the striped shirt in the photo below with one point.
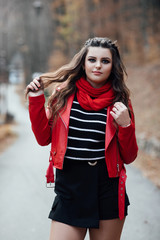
(86, 137)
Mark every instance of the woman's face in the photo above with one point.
(98, 66)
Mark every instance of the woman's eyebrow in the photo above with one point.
(91, 57)
(101, 58)
(106, 58)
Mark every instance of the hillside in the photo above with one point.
(144, 83)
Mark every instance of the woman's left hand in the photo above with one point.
(120, 114)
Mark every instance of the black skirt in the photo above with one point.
(85, 194)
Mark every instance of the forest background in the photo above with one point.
(39, 36)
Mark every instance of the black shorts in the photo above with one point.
(85, 194)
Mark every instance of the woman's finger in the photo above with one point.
(113, 115)
(30, 87)
(34, 85)
(120, 106)
(37, 83)
(115, 109)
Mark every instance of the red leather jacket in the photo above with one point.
(120, 144)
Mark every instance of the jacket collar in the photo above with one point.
(110, 128)
(65, 114)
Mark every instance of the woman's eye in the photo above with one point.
(91, 60)
(105, 61)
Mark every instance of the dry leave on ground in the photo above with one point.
(7, 136)
(149, 166)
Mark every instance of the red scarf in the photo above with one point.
(103, 96)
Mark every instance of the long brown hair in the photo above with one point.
(67, 75)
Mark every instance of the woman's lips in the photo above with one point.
(97, 72)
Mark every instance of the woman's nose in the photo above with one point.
(98, 64)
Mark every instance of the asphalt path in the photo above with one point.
(25, 201)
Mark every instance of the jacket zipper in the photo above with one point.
(117, 157)
(117, 168)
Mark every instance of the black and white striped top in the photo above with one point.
(86, 137)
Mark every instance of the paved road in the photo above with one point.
(25, 202)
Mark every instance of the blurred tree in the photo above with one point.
(133, 23)
(18, 19)
(71, 29)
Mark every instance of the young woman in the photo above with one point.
(90, 124)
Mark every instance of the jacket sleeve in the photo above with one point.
(41, 126)
(127, 140)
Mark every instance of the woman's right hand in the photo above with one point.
(35, 88)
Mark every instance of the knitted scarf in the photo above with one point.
(94, 99)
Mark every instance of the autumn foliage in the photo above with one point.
(133, 23)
